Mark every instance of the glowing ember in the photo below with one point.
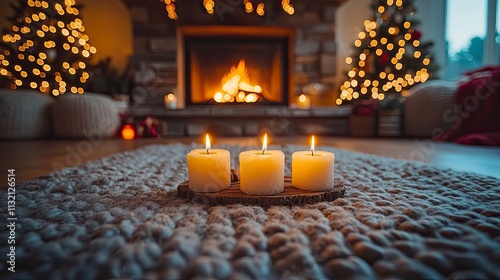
(236, 86)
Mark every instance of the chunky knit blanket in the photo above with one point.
(119, 218)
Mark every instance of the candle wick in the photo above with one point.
(263, 151)
(207, 152)
(312, 152)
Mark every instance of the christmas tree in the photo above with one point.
(389, 56)
(46, 47)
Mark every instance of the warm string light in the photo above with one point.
(260, 10)
(287, 7)
(170, 8)
(248, 6)
(394, 52)
(209, 5)
(36, 52)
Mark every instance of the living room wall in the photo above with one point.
(109, 27)
(350, 17)
(107, 23)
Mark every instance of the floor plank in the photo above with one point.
(38, 157)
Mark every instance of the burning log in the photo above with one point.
(236, 87)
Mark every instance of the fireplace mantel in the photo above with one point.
(251, 120)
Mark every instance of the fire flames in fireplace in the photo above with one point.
(236, 87)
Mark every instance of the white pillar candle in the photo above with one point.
(209, 170)
(303, 102)
(170, 101)
(262, 172)
(313, 170)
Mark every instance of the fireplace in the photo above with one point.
(234, 65)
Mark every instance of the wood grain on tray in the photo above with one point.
(233, 195)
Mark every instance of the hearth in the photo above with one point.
(234, 65)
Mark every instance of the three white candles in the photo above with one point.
(313, 170)
(209, 170)
(262, 172)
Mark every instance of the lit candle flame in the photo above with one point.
(207, 143)
(312, 145)
(264, 144)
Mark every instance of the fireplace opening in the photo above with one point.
(236, 65)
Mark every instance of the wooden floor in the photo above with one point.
(38, 157)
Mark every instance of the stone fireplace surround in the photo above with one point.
(314, 60)
(155, 43)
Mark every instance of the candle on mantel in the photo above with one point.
(170, 101)
(313, 170)
(304, 102)
(209, 170)
(262, 172)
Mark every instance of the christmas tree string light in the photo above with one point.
(389, 56)
(46, 48)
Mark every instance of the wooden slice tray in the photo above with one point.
(290, 196)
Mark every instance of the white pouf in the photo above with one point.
(24, 114)
(425, 106)
(84, 116)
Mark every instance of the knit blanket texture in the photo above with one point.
(120, 218)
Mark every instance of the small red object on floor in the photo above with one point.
(128, 132)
